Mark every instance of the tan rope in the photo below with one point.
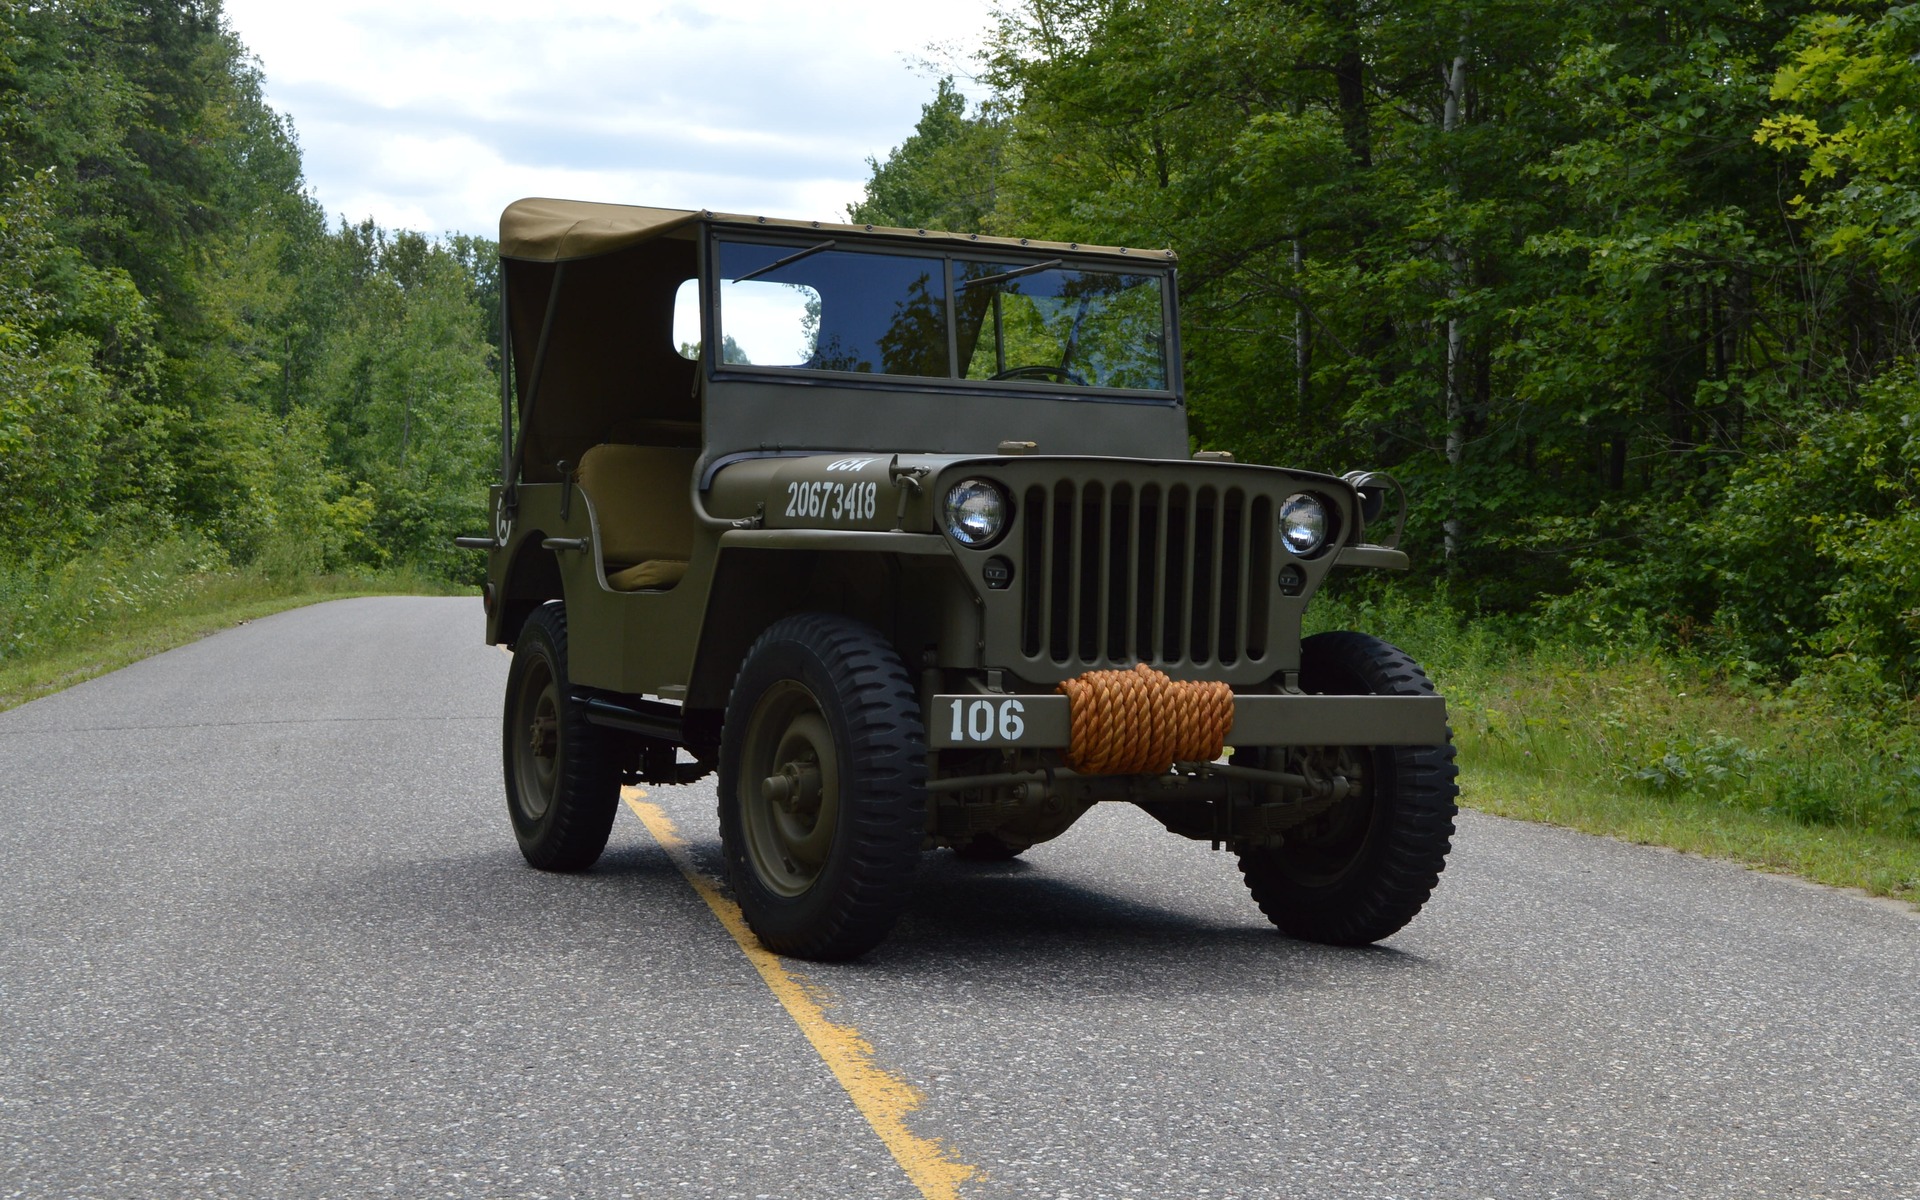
(1140, 722)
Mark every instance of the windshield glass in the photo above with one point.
(880, 314)
(1075, 326)
(825, 308)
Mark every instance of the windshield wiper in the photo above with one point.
(777, 263)
(964, 284)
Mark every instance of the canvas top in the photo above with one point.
(544, 230)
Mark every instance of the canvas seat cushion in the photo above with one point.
(656, 574)
(645, 518)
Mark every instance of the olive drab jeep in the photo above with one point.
(899, 531)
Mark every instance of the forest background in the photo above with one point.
(1624, 293)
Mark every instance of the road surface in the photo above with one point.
(267, 934)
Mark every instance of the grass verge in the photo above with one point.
(1880, 864)
(63, 629)
(1630, 742)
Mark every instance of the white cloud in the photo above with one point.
(432, 115)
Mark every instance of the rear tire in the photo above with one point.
(1363, 869)
(563, 783)
(823, 768)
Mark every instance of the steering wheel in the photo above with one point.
(1044, 371)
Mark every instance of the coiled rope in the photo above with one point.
(1140, 722)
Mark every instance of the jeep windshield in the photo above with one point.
(836, 309)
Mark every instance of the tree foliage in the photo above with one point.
(1626, 293)
(944, 176)
(186, 349)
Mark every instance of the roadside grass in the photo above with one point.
(65, 624)
(1632, 742)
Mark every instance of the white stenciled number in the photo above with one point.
(834, 501)
(980, 720)
(1011, 726)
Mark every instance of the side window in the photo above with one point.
(686, 319)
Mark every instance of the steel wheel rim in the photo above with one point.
(788, 840)
(537, 741)
(1345, 830)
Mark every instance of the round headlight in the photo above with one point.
(975, 512)
(1303, 523)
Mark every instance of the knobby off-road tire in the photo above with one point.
(1362, 870)
(822, 860)
(563, 783)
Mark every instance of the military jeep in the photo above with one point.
(900, 531)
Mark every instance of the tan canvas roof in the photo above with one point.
(554, 230)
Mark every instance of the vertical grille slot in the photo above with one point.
(1034, 511)
(1260, 578)
(1089, 575)
(1148, 598)
(1061, 534)
(1176, 585)
(1123, 573)
(1204, 573)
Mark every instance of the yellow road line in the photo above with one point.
(882, 1097)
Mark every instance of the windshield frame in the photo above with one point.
(947, 254)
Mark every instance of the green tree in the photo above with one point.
(944, 176)
(1533, 257)
(410, 402)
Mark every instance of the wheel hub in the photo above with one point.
(788, 789)
(796, 789)
(543, 733)
(537, 756)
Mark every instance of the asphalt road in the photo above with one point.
(267, 934)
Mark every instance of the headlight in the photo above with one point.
(1303, 523)
(976, 512)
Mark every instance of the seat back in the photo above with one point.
(640, 497)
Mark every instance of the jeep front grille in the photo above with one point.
(1166, 574)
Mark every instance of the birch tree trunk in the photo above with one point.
(1302, 347)
(1450, 119)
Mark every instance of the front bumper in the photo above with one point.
(980, 722)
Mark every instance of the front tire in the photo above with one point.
(563, 784)
(1364, 868)
(822, 787)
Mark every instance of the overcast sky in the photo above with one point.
(432, 114)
